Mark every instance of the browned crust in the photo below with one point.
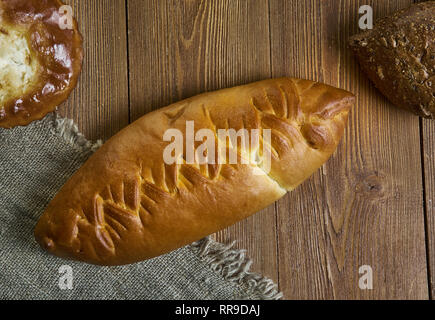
(35, 104)
(398, 55)
(126, 205)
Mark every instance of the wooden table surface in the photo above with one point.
(372, 204)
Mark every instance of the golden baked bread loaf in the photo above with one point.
(40, 60)
(126, 205)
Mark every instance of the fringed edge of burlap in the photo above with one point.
(234, 266)
(68, 130)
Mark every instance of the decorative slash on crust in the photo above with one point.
(126, 205)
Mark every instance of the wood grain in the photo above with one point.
(99, 104)
(428, 135)
(428, 160)
(365, 206)
(182, 48)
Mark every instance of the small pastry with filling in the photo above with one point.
(40, 59)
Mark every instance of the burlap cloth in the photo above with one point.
(34, 163)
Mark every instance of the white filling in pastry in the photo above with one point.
(18, 70)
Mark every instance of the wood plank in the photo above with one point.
(428, 156)
(99, 104)
(365, 206)
(428, 130)
(182, 48)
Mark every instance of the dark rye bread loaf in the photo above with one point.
(398, 55)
